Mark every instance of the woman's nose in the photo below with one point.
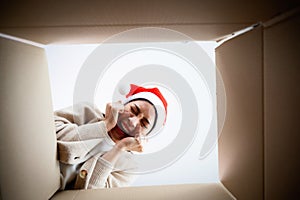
(133, 121)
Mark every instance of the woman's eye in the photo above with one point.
(143, 125)
(133, 111)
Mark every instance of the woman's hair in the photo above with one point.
(143, 99)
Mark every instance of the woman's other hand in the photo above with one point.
(111, 114)
(132, 144)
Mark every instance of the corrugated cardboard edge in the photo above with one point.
(36, 44)
(227, 191)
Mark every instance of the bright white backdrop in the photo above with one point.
(65, 62)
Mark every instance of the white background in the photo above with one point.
(65, 62)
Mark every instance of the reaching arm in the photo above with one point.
(79, 122)
(105, 170)
(126, 144)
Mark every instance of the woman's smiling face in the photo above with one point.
(138, 117)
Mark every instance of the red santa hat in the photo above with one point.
(155, 97)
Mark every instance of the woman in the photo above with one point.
(95, 149)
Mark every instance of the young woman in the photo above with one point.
(95, 149)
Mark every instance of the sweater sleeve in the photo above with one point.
(80, 122)
(79, 129)
(99, 173)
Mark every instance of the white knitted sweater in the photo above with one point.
(80, 132)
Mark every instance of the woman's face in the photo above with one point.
(138, 118)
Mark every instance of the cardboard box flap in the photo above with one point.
(240, 62)
(64, 22)
(282, 97)
(29, 167)
(207, 191)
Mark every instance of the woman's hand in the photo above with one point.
(126, 144)
(131, 144)
(111, 114)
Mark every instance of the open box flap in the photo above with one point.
(29, 168)
(49, 22)
(240, 63)
(258, 147)
(282, 97)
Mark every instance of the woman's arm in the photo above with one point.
(98, 172)
(79, 122)
(126, 144)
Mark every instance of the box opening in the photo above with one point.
(65, 63)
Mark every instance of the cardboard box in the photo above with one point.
(258, 147)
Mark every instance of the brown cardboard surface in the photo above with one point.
(28, 165)
(241, 141)
(282, 97)
(240, 62)
(90, 22)
(116, 12)
(208, 191)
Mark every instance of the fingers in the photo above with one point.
(112, 113)
(136, 143)
(139, 147)
(141, 140)
(107, 109)
(118, 106)
(113, 109)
